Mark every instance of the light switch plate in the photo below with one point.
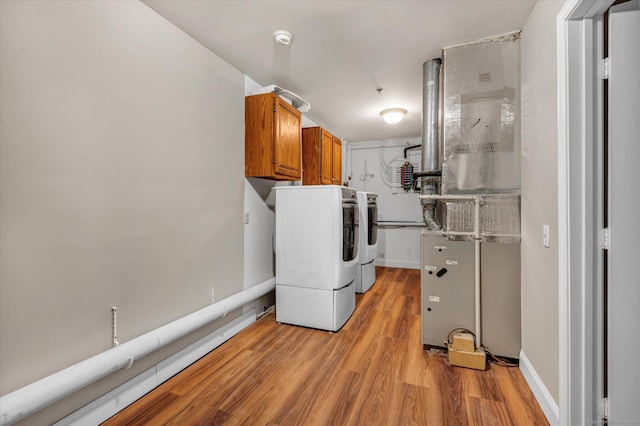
(545, 235)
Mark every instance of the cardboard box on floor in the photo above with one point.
(462, 353)
(463, 342)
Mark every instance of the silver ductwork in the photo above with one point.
(430, 152)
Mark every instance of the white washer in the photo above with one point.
(316, 255)
(368, 246)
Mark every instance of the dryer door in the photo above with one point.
(350, 225)
(372, 216)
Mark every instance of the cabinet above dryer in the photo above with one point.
(321, 157)
(273, 138)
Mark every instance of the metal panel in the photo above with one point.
(624, 205)
(481, 130)
(500, 278)
(448, 300)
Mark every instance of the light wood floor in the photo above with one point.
(372, 372)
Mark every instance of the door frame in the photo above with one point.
(580, 203)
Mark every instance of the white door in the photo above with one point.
(623, 304)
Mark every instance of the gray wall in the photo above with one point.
(539, 194)
(121, 180)
(397, 247)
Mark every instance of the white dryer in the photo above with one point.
(316, 255)
(368, 246)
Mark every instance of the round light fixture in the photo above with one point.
(393, 115)
(282, 37)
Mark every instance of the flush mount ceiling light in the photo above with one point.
(282, 37)
(393, 115)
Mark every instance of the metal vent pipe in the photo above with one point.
(430, 151)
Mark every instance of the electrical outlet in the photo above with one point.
(408, 252)
(545, 236)
(246, 218)
(213, 295)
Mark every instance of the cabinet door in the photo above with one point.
(337, 162)
(287, 140)
(326, 159)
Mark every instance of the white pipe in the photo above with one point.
(509, 36)
(476, 237)
(460, 233)
(36, 396)
(399, 223)
(476, 244)
(448, 197)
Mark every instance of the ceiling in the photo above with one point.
(342, 51)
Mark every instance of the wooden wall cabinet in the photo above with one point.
(321, 157)
(273, 138)
(337, 161)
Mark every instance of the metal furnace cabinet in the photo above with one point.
(447, 291)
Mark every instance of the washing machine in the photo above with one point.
(368, 246)
(317, 238)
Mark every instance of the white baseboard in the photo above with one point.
(540, 391)
(397, 264)
(124, 395)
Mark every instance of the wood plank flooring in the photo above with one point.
(372, 372)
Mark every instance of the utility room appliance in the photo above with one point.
(448, 296)
(317, 235)
(471, 250)
(368, 247)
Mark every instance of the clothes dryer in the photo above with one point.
(366, 270)
(317, 237)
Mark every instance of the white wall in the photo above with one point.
(397, 247)
(259, 209)
(539, 194)
(122, 161)
(258, 233)
(259, 206)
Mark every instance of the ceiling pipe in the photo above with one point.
(34, 397)
(430, 151)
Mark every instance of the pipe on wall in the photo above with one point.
(27, 400)
(430, 147)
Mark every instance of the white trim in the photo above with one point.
(577, 104)
(563, 225)
(540, 391)
(390, 263)
(111, 403)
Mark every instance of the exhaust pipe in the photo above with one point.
(430, 151)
